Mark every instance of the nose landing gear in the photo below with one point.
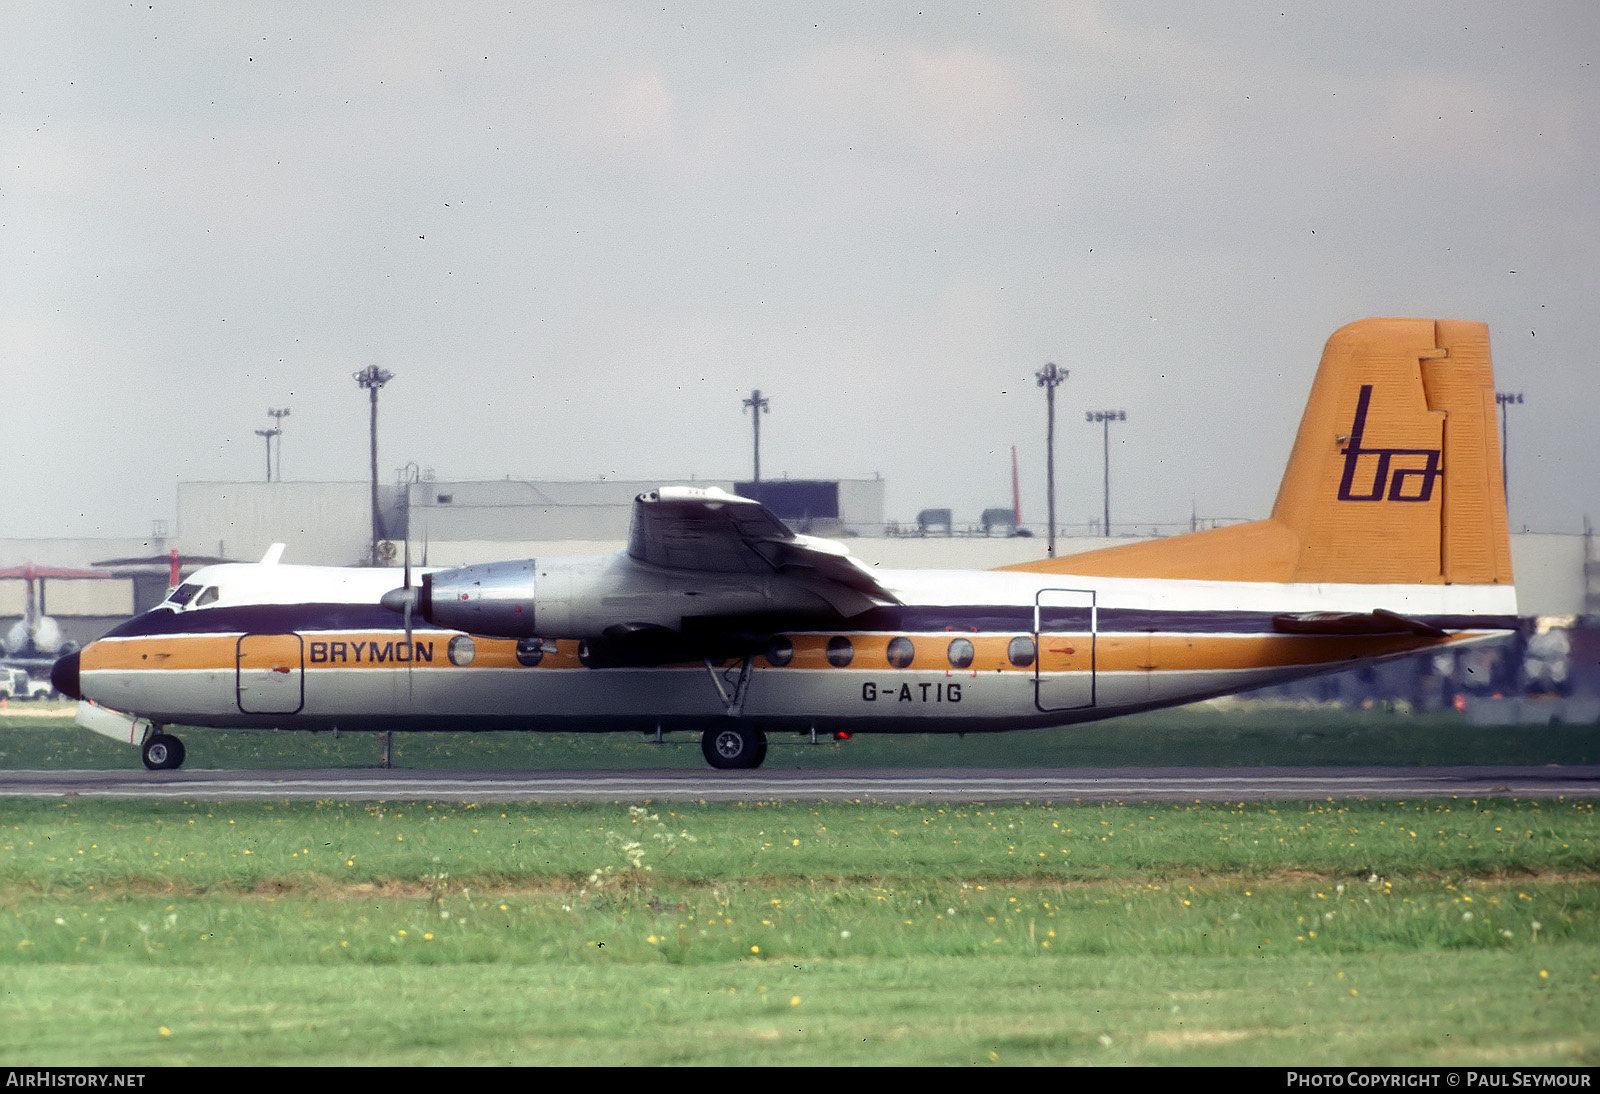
(162, 752)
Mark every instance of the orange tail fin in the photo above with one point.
(1394, 477)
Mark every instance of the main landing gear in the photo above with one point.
(733, 746)
(162, 752)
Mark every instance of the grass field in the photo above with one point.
(1440, 932)
(1222, 733)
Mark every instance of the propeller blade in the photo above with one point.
(404, 601)
(411, 648)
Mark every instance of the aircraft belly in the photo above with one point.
(1165, 688)
(889, 695)
(508, 692)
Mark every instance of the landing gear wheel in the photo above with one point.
(733, 746)
(163, 752)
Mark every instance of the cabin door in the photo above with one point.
(271, 674)
(1065, 623)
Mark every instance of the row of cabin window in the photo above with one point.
(901, 652)
(780, 651)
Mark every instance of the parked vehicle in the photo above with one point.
(17, 684)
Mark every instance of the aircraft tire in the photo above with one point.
(733, 746)
(162, 752)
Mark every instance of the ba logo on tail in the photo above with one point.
(1387, 484)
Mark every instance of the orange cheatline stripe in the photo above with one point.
(1058, 653)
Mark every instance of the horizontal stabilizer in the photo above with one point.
(1377, 621)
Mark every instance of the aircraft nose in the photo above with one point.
(64, 676)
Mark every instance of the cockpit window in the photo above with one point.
(208, 596)
(182, 595)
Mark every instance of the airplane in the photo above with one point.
(35, 641)
(1388, 537)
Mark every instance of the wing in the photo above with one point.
(695, 559)
(712, 531)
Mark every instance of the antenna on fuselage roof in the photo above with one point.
(274, 553)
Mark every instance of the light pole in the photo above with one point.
(1505, 399)
(277, 429)
(757, 407)
(1106, 417)
(268, 434)
(372, 378)
(1050, 378)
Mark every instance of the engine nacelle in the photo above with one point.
(519, 599)
(495, 598)
(586, 597)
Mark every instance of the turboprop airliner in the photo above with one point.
(1388, 537)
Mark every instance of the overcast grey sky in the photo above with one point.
(580, 233)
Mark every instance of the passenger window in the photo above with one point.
(901, 652)
(960, 653)
(1020, 651)
(840, 652)
(780, 651)
(530, 651)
